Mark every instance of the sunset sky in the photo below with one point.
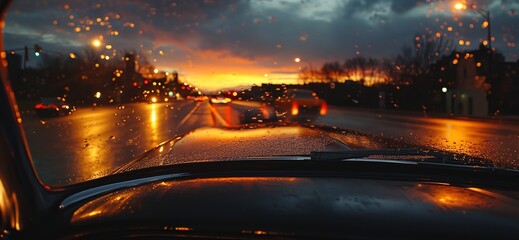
(225, 44)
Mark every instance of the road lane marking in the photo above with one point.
(217, 116)
(184, 120)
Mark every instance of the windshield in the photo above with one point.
(217, 80)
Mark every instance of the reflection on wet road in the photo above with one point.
(496, 140)
(92, 143)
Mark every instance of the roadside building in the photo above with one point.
(474, 94)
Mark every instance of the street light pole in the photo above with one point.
(491, 95)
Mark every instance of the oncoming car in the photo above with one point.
(156, 97)
(219, 99)
(326, 125)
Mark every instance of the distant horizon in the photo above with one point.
(223, 44)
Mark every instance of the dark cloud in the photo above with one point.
(375, 28)
(352, 8)
(377, 7)
(323, 40)
(402, 6)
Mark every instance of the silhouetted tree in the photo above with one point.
(355, 68)
(413, 63)
(332, 72)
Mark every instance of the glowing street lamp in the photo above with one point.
(485, 13)
(460, 6)
(96, 43)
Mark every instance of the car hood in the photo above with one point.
(294, 207)
(221, 144)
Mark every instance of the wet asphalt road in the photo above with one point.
(92, 142)
(493, 139)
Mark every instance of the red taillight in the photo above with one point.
(265, 111)
(53, 106)
(39, 106)
(324, 109)
(295, 109)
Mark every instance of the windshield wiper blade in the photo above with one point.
(363, 153)
(419, 155)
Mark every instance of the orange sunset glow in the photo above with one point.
(214, 70)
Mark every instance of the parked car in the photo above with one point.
(53, 107)
(300, 104)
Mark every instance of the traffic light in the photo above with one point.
(37, 50)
